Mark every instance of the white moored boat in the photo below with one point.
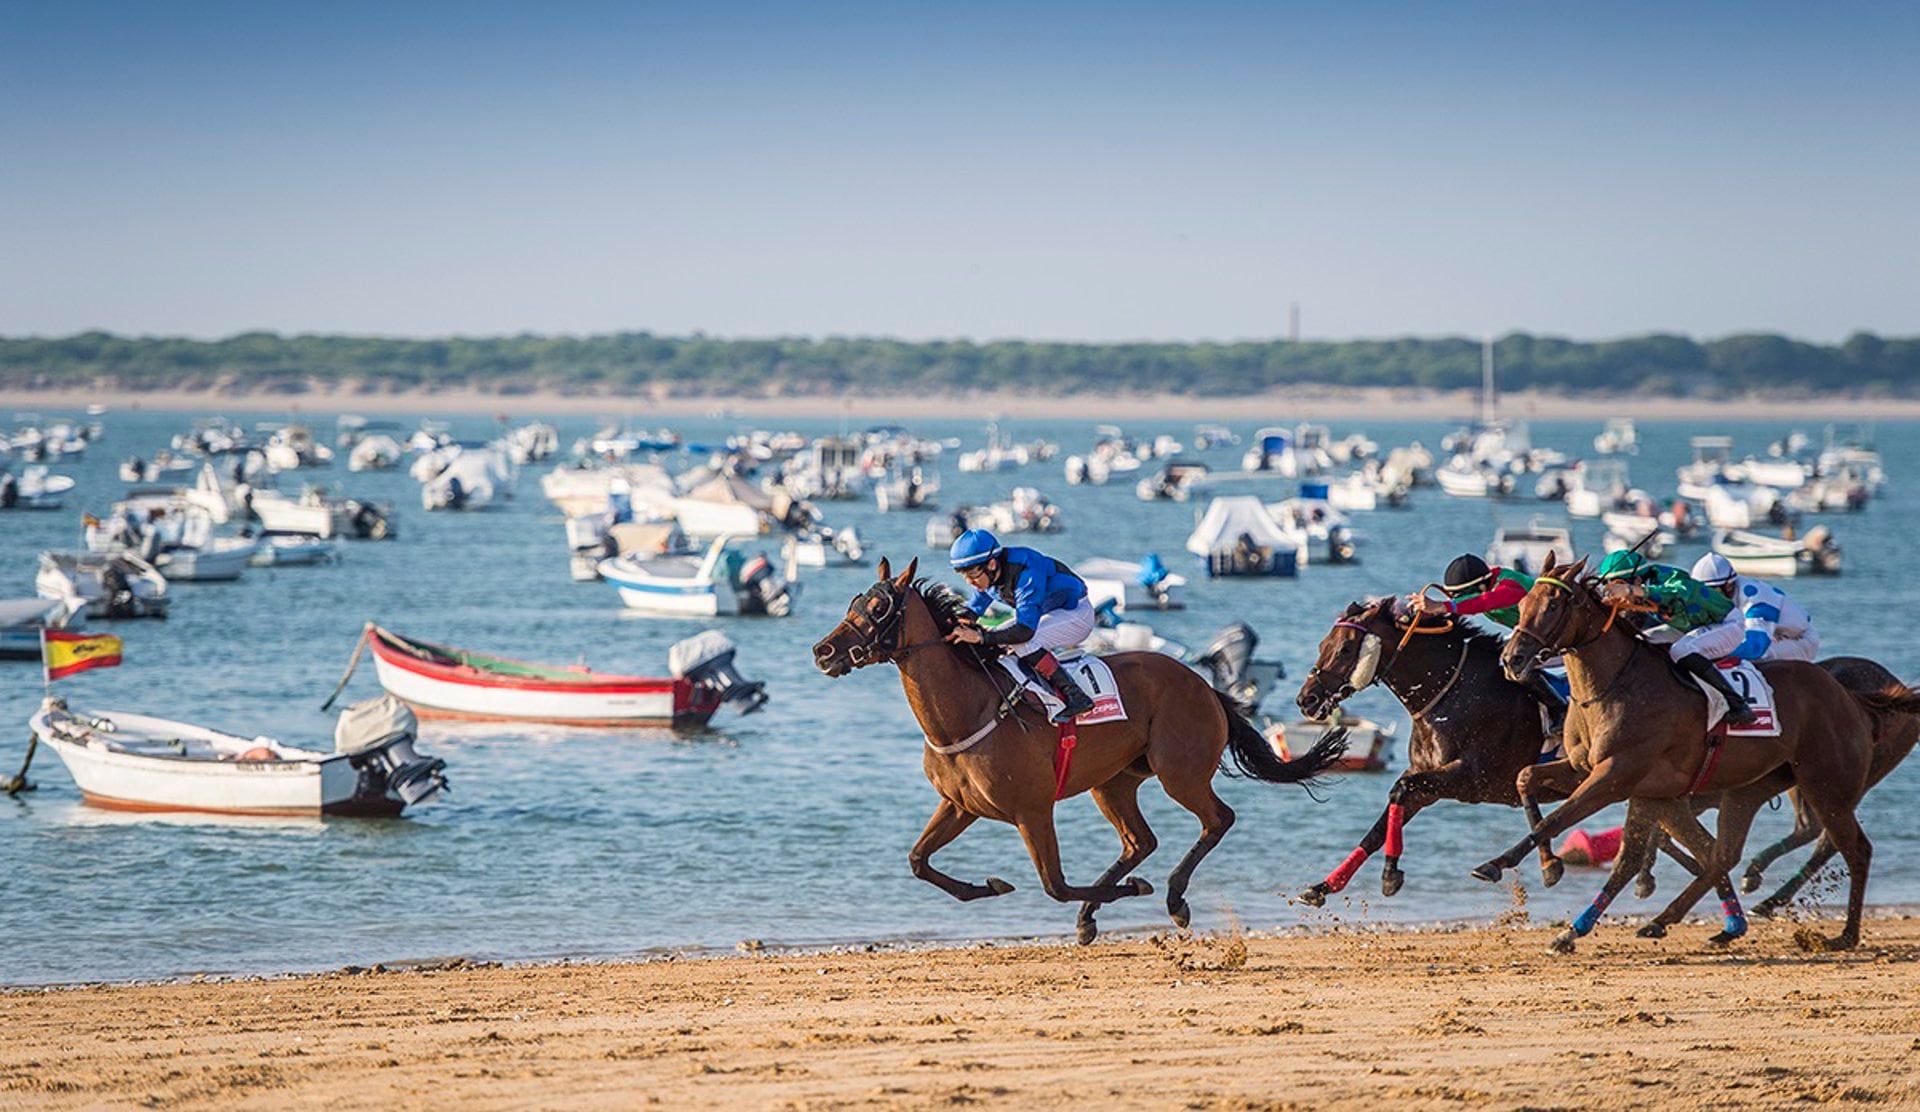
(135, 762)
(721, 582)
(103, 585)
(439, 681)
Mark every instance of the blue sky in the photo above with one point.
(1106, 172)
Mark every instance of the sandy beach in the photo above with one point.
(1482, 1017)
(1293, 405)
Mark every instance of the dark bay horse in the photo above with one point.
(1639, 732)
(1473, 729)
(991, 756)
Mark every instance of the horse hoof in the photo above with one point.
(1488, 872)
(1765, 909)
(1653, 930)
(1087, 932)
(1750, 882)
(1181, 915)
(1643, 887)
(1563, 942)
(1839, 942)
(1551, 872)
(1140, 886)
(1391, 880)
(1315, 896)
(997, 886)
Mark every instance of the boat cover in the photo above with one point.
(369, 725)
(1227, 518)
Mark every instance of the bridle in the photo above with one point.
(1547, 651)
(1369, 670)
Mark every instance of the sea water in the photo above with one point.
(790, 826)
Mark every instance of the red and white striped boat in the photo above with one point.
(439, 681)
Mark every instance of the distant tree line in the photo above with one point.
(631, 362)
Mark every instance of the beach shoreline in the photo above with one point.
(1292, 405)
(1355, 1019)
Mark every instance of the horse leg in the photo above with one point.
(1636, 846)
(1718, 857)
(1119, 800)
(1643, 885)
(1529, 783)
(1757, 868)
(1604, 786)
(1194, 791)
(1843, 830)
(1376, 837)
(947, 823)
(1822, 854)
(1036, 828)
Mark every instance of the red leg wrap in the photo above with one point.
(1396, 818)
(1063, 758)
(1337, 879)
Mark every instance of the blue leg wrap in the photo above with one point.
(1736, 924)
(1584, 923)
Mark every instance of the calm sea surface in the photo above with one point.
(791, 826)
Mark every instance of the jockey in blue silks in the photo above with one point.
(1050, 609)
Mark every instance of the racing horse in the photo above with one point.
(1474, 731)
(991, 755)
(1638, 731)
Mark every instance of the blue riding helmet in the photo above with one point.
(973, 548)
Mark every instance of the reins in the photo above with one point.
(891, 624)
(1615, 610)
(1414, 626)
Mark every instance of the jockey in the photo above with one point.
(1472, 587)
(1050, 610)
(1689, 606)
(1767, 625)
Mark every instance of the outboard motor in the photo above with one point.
(763, 589)
(1229, 665)
(378, 736)
(706, 660)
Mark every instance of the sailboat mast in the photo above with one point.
(1486, 380)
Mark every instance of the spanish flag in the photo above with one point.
(66, 653)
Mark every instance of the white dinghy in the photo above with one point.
(135, 762)
(103, 585)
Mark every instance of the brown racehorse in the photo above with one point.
(1474, 732)
(992, 756)
(1473, 729)
(1640, 732)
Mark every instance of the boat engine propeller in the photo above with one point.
(764, 589)
(706, 659)
(1229, 664)
(379, 735)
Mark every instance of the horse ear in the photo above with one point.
(906, 577)
(1547, 567)
(1573, 574)
(885, 571)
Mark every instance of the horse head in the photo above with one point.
(1555, 616)
(1351, 655)
(871, 631)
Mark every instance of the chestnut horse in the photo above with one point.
(990, 755)
(1638, 731)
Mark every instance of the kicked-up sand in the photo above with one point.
(1476, 1018)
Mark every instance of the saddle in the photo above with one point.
(1090, 672)
(1751, 684)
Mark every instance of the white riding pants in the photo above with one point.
(1716, 641)
(1060, 629)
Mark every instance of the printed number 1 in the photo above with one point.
(1086, 670)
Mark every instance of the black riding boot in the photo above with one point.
(1551, 699)
(1044, 665)
(1738, 712)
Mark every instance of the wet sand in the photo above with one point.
(1484, 1017)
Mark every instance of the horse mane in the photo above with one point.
(1471, 634)
(949, 609)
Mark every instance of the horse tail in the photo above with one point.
(1255, 758)
(1894, 698)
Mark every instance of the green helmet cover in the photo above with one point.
(1622, 565)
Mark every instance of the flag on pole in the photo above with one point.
(67, 653)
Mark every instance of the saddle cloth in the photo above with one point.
(1094, 678)
(1747, 680)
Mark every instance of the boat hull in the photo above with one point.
(467, 694)
(123, 782)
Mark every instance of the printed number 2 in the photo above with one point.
(1093, 685)
(1738, 678)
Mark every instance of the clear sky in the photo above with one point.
(1123, 171)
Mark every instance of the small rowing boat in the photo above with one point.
(135, 762)
(439, 681)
